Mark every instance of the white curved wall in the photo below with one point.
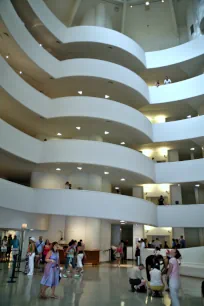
(98, 205)
(70, 106)
(154, 59)
(68, 68)
(182, 171)
(175, 55)
(184, 90)
(179, 130)
(181, 215)
(74, 151)
(85, 33)
(77, 203)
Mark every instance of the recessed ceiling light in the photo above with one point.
(20, 72)
(107, 96)
(117, 188)
(79, 168)
(197, 185)
(58, 169)
(106, 172)
(189, 116)
(31, 229)
(179, 185)
(192, 149)
(59, 134)
(78, 127)
(162, 1)
(122, 221)
(130, 6)
(106, 132)
(122, 143)
(7, 56)
(40, 45)
(147, 3)
(122, 179)
(80, 92)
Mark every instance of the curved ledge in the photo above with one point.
(181, 215)
(75, 152)
(191, 89)
(91, 68)
(156, 59)
(98, 205)
(179, 130)
(86, 203)
(175, 55)
(88, 107)
(180, 172)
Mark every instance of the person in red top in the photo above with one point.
(46, 249)
(118, 254)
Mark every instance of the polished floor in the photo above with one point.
(105, 285)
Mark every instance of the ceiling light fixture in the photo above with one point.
(117, 188)
(59, 134)
(31, 229)
(106, 173)
(7, 56)
(40, 45)
(78, 127)
(20, 72)
(192, 149)
(162, 1)
(189, 116)
(58, 169)
(79, 168)
(106, 132)
(147, 3)
(80, 92)
(122, 143)
(131, 6)
(122, 221)
(107, 96)
(197, 185)
(122, 179)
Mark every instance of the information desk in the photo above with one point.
(92, 257)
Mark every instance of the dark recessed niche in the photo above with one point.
(58, 41)
(6, 34)
(192, 29)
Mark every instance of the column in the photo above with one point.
(175, 194)
(138, 192)
(87, 229)
(192, 155)
(196, 189)
(101, 15)
(173, 155)
(124, 16)
(97, 16)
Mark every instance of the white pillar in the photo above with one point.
(173, 155)
(56, 229)
(124, 16)
(138, 192)
(101, 15)
(97, 16)
(192, 156)
(175, 194)
(196, 189)
(87, 229)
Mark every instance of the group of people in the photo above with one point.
(167, 80)
(9, 244)
(162, 273)
(48, 254)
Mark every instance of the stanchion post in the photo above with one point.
(13, 271)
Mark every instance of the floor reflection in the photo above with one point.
(104, 285)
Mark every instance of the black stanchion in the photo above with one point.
(18, 266)
(13, 271)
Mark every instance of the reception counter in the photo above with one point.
(92, 257)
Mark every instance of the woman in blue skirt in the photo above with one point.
(52, 271)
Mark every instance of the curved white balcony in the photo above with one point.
(90, 68)
(156, 59)
(80, 107)
(98, 205)
(181, 215)
(123, 46)
(181, 171)
(179, 130)
(86, 203)
(76, 152)
(191, 90)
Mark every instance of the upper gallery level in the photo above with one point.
(180, 62)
